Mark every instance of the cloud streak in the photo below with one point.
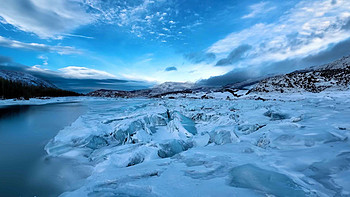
(63, 50)
(258, 9)
(84, 73)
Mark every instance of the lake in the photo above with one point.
(25, 169)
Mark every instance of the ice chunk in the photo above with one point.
(223, 136)
(248, 128)
(268, 182)
(202, 117)
(136, 159)
(276, 115)
(201, 140)
(187, 123)
(95, 142)
(172, 148)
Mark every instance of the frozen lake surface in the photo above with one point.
(281, 145)
(24, 131)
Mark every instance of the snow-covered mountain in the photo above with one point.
(338, 64)
(25, 78)
(156, 91)
(120, 93)
(171, 87)
(332, 76)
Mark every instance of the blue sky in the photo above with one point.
(176, 40)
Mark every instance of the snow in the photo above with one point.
(288, 145)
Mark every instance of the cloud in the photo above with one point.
(252, 72)
(63, 50)
(236, 55)
(258, 9)
(45, 18)
(159, 20)
(306, 29)
(198, 57)
(234, 76)
(44, 58)
(83, 84)
(55, 19)
(138, 17)
(347, 25)
(171, 68)
(84, 73)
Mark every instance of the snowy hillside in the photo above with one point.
(211, 147)
(332, 76)
(25, 78)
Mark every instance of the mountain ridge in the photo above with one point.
(25, 78)
(332, 76)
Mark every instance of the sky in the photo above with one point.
(145, 42)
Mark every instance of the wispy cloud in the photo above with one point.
(137, 17)
(259, 9)
(149, 19)
(52, 19)
(63, 50)
(45, 18)
(308, 28)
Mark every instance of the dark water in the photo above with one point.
(25, 169)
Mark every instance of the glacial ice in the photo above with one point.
(221, 136)
(172, 148)
(287, 145)
(268, 182)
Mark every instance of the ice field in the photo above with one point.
(289, 145)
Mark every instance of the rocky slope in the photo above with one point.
(332, 76)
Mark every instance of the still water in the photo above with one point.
(25, 169)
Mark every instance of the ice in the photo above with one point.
(172, 148)
(95, 142)
(276, 115)
(290, 144)
(223, 136)
(249, 128)
(268, 182)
